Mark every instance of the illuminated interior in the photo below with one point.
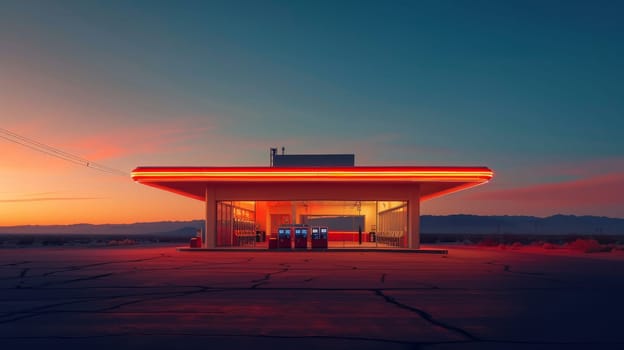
(254, 223)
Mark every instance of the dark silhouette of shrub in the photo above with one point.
(488, 242)
(585, 245)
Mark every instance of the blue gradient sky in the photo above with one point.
(533, 89)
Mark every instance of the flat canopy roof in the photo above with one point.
(191, 181)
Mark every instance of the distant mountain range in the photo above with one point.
(557, 224)
(182, 228)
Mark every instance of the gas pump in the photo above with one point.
(319, 237)
(324, 235)
(283, 236)
(301, 237)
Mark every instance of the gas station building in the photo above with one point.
(372, 206)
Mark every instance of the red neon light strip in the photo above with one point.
(252, 174)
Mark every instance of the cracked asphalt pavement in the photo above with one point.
(159, 298)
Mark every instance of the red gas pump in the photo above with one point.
(301, 237)
(319, 237)
(283, 237)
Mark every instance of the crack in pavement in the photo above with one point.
(176, 295)
(222, 335)
(16, 264)
(537, 275)
(80, 267)
(248, 260)
(80, 279)
(347, 266)
(43, 310)
(268, 276)
(35, 310)
(426, 316)
(255, 286)
(21, 277)
(54, 283)
(112, 297)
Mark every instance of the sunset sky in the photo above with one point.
(532, 89)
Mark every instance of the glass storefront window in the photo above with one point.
(350, 223)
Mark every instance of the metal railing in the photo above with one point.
(390, 238)
(246, 238)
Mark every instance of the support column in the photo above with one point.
(413, 217)
(210, 238)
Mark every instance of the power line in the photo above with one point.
(58, 153)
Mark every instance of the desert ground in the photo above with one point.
(160, 298)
